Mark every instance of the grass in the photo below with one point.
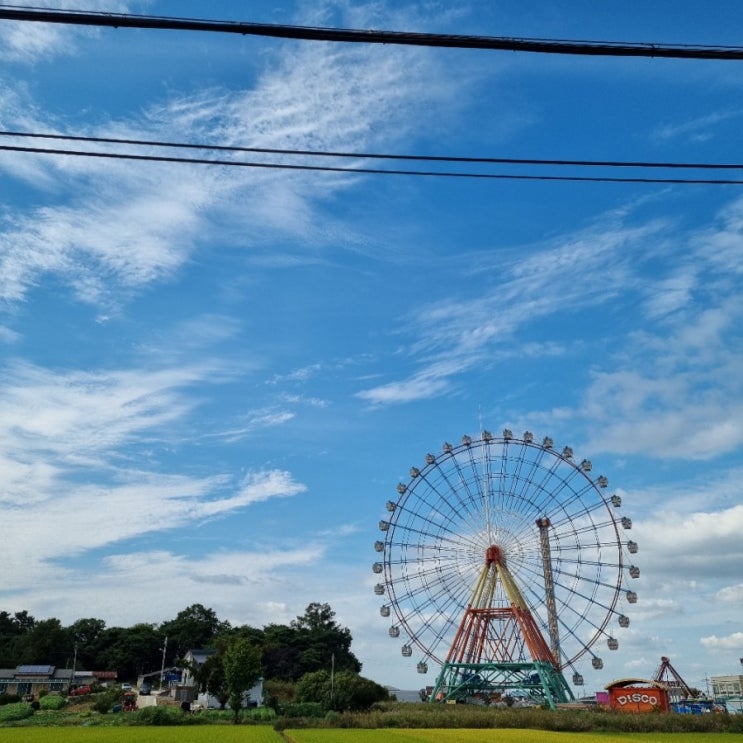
(386, 723)
(197, 734)
(265, 734)
(455, 735)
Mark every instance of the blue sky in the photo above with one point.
(212, 379)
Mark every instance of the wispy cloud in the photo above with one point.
(454, 335)
(76, 446)
(29, 42)
(698, 129)
(133, 224)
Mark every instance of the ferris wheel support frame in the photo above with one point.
(549, 586)
(464, 674)
(539, 680)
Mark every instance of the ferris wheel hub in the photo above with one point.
(494, 555)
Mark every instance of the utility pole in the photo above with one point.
(332, 678)
(162, 667)
(74, 666)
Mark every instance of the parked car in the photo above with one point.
(145, 688)
(126, 687)
(79, 691)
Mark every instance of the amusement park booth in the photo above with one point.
(638, 696)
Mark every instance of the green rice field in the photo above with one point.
(135, 734)
(261, 734)
(470, 735)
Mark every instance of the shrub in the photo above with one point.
(105, 701)
(9, 699)
(163, 716)
(260, 714)
(52, 701)
(16, 711)
(303, 709)
(158, 716)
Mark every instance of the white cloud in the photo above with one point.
(78, 416)
(731, 594)
(700, 544)
(68, 464)
(698, 129)
(453, 335)
(246, 586)
(715, 644)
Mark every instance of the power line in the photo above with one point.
(379, 156)
(371, 171)
(407, 38)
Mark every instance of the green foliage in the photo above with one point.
(277, 692)
(131, 650)
(342, 691)
(314, 687)
(303, 709)
(242, 668)
(9, 699)
(313, 641)
(471, 717)
(162, 716)
(194, 627)
(211, 678)
(105, 701)
(43, 641)
(261, 714)
(52, 701)
(16, 711)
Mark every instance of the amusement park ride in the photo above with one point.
(503, 561)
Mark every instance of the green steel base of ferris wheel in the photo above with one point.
(540, 681)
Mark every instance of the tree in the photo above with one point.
(194, 627)
(132, 650)
(316, 617)
(242, 668)
(46, 642)
(341, 691)
(281, 654)
(87, 635)
(210, 677)
(12, 629)
(320, 639)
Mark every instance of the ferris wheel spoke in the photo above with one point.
(473, 498)
(592, 597)
(420, 580)
(422, 527)
(458, 513)
(579, 509)
(550, 484)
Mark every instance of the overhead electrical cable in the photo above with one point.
(361, 170)
(376, 155)
(311, 33)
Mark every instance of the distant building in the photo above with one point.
(31, 679)
(192, 660)
(188, 689)
(725, 687)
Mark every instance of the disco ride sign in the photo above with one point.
(638, 699)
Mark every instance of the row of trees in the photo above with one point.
(286, 652)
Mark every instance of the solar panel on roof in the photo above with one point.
(35, 670)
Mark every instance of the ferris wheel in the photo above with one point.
(503, 560)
